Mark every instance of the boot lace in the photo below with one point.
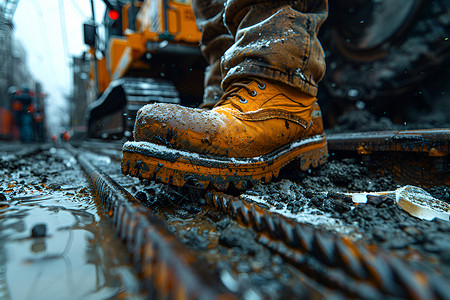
(236, 86)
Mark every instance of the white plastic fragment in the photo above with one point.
(362, 197)
(421, 204)
(414, 200)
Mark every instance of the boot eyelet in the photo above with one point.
(253, 93)
(243, 100)
(262, 86)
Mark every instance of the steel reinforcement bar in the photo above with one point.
(352, 267)
(168, 268)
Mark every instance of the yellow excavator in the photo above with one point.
(144, 52)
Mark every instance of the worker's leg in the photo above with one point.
(288, 51)
(215, 41)
(267, 117)
(276, 40)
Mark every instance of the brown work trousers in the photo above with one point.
(271, 39)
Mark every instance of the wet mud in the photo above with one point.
(379, 222)
(314, 198)
(54, 242)
(230, 251)
(233, 252)
(317, 197)
(53, 230)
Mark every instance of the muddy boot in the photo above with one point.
(256, 129)
(268, 115)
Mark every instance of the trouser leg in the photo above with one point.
(275, 40)
(214, 42)
(271, 39)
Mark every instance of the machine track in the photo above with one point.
(142, 91)
(112, 116)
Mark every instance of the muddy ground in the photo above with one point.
(301, 195)
(311, 197)
(54, 241)
(380, 222)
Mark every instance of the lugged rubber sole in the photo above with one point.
(156, 162)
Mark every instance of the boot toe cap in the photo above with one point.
(171, 124)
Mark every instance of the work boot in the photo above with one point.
(257, 128)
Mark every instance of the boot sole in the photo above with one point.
(176, 167)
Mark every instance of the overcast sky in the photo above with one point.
(39, 26)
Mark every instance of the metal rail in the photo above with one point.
(435, 142)
(169, 269)
(419, 157)
(337, 262)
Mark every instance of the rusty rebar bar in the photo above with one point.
(169, 269)
(335, 261)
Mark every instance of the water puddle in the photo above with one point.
(58, 246)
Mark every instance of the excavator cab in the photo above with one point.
(149, 54)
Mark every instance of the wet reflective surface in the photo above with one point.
(299, 237)
(54, 243)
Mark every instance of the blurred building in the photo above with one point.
(13, 70)
(14, 73)
(13, 64)
(79, 99)
(19, 73)
(6, 29)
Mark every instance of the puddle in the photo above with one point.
(78, 258)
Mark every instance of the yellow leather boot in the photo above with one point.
(257, 128)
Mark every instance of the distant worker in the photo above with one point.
(65, 135)
(265, 64)
(22, 105)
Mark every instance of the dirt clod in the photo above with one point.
(39, 230)
(239, 238)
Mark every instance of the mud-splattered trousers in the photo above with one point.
(275, 40)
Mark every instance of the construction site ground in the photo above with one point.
(65, 234)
